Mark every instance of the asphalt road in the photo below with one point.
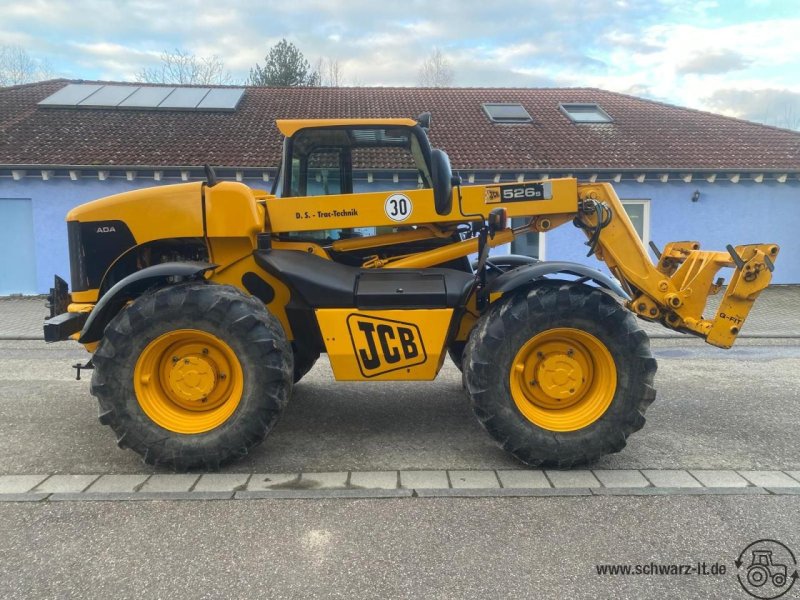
(735, 409)
(412, 548)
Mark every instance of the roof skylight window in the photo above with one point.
(507, 112)
(585, 113)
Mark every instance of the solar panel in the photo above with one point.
(84, 95)
(70, 95)
(221, 99)
(146, 97)
(184, 98)
(109, 95)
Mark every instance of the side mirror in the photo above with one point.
(211, 176)
(442, 176)
(424, 120)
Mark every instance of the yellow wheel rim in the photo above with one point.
(563, 379)
(188, 381)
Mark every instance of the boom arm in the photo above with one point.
(675, 290)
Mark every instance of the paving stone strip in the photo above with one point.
(395, 484)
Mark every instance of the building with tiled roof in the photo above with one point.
(683, 174)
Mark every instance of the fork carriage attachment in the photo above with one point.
(675, 291)
(692, 271)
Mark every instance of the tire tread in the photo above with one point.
(558, 304)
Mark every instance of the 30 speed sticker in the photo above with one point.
(398, 207)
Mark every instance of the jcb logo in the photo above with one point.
(383, 345)
(491, 195)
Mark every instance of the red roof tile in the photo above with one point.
(645, 135)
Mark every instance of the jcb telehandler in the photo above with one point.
(203, 303)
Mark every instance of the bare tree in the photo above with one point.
(182, 67)
(334, 73)
(435, 71)
(329, 71)
(18, 67)
(788, 116)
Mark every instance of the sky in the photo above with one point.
(735, 57)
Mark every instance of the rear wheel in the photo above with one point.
(757, 576)
(192, 376)
(559, 375)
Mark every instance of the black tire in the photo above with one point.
(757, 576)
(304, 361)
(510, 323)
(244, 324)
(456, 353)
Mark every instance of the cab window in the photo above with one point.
(323, 160)
(324, 173)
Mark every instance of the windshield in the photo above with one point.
(323, 161)
(336, 160)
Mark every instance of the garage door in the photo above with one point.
(17, 258)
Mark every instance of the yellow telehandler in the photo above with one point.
(203, 303)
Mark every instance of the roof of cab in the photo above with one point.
(289, 127)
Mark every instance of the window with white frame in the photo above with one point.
(639, 214)
(527, 244)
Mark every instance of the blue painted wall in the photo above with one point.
(726, 213)
(51, 202)
(17, 250)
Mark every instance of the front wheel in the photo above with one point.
(193, 375)
(559, 375)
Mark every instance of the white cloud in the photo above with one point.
(778, 107)
(686, 64)
(682, 51)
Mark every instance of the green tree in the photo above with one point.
(285, 66)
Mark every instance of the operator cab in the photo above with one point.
(332, 157)
(320, 156)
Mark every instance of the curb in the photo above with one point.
(397, 484)
(348, 494)
(136, 496)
